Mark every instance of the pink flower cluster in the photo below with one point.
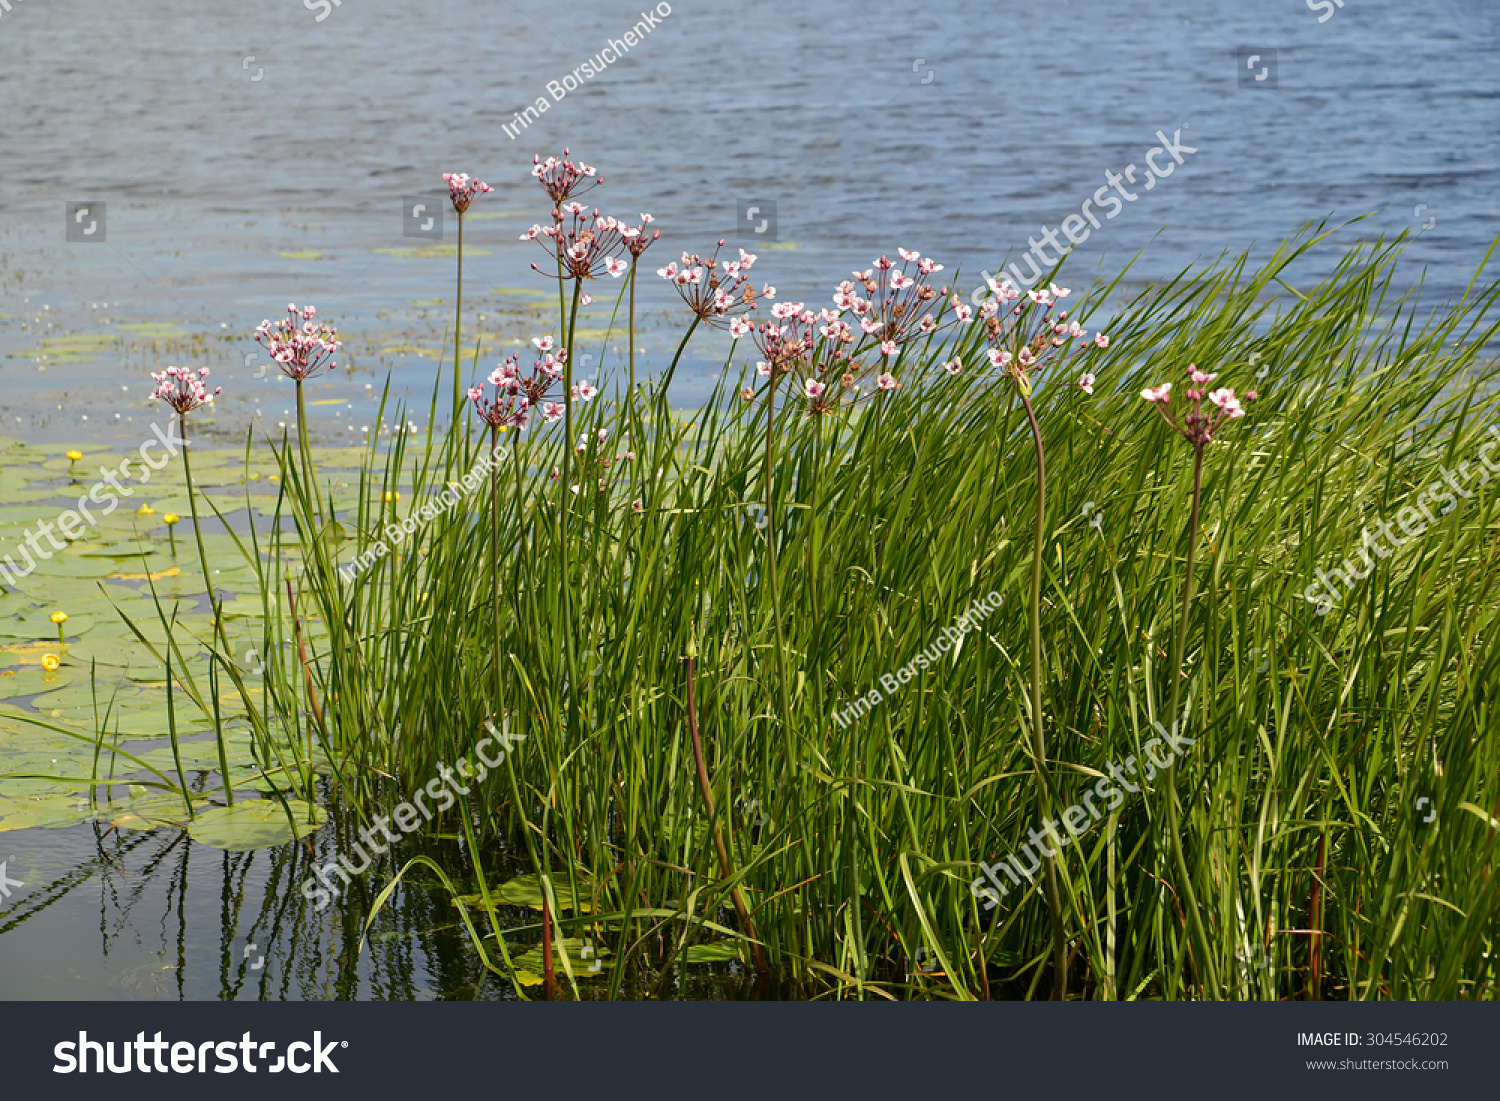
(798, 341)
(1195, 425)
(561, 179)
(182, 388)
(301, 351)
(517, 393)
(588, 246)
(902, 301)
(1026, 336)
(716, 290)
(462, 190)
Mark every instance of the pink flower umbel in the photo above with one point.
(461, 189)
(508, 408)
(562, 180)
(1197, 425)
(717, 291)
(518, 392)
(1027, 336)
(902, 301)
(301, 351)
(183, 388)
(1086, 382)
(588, 246)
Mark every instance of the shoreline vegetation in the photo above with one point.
(671, 616)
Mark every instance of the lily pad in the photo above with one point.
(583, 957)
(526, 890)
(261, 824)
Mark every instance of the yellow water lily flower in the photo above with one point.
(75, 455)
(59, 617)
(171, 518)
(145, 510)
(50, 662)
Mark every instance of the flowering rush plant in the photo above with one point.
(561, 179)
(716, 291)
(1026, 335)
(811, 347)
(301, 351)
(902, 302)
(835, 353)
(462, 190)
(517, 392)
(588, 245)
(183, 388)
(1197, 426)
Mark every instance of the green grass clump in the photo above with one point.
(669, 640)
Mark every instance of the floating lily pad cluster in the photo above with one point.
(84, 724)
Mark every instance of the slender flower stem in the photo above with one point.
(565, 506)
(495, 551)
(458, 320)
(1174, 832)
(305, 446)
(672, 370)
(187, 473)
(634, 263)
(1038, 740)
(781, 678)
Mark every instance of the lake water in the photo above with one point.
(247, 155)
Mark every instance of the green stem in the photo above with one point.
(666, 381)
(305, 446)
(458, 320)
(786, 708)
(664, 432)
(495, 552)
(565, 507)
(1174, 832)
(634, 262)
(187, 473)
(1038, 739)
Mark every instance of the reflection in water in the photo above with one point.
(179, 920)
(176, 920)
